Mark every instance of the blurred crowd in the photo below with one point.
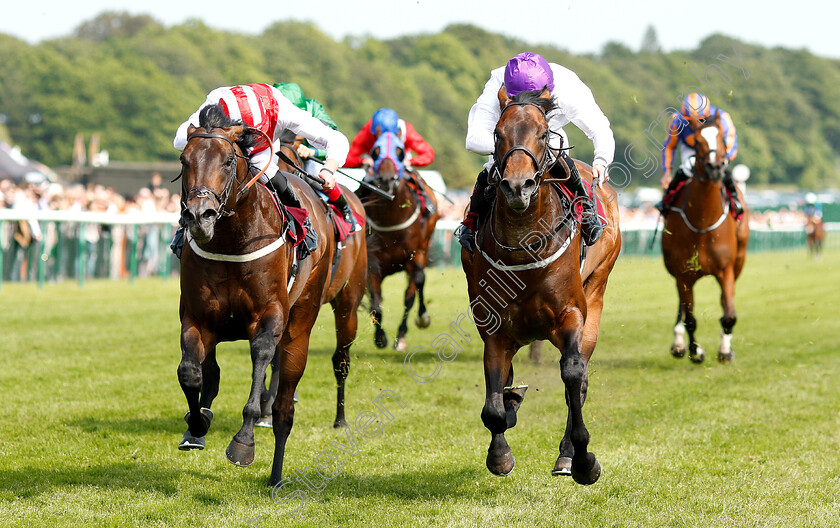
(105, 249)
(108, 250)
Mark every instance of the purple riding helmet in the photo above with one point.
(527, 72)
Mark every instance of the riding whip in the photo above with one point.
(364, 184)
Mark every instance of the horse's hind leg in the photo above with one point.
(585, 467)
(726, 279)
(375, 290)
(410, 294)
(423, 319)
(191, 376)
(346, 323)
(498, 353)
(241, 449)
(292, 361)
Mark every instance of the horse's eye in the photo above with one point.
(229, 161)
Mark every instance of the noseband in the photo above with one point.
(543, 165)
(203, 192)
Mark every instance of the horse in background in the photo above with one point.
(398, 235)
(241, 279)
(814, 235)
(701, 237)
(526, 282)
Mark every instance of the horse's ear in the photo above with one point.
(504, 99)
(545, 93)
(234, 133)
(694, 123)
(191, 129)
(378, 131)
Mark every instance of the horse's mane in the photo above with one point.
(533, 97)
(212, 116)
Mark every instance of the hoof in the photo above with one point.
(726, 357)
(240, 454)
(423, 321)
(265, 421)
(563, 467)
(190, 442)
(400, 344)
(678, 351)
(697, 355)
(589, 476)
(338, 424)
(501, 465)
(206, 420)
(380, 339)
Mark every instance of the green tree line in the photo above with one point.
(133, 81)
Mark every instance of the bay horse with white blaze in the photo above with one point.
(526, 283)
(398, 236)
(700, 237)
(241, 279)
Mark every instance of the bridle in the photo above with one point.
(543, 165)
(222, 198)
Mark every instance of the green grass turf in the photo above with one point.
(91, 415)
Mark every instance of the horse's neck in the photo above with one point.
(400, 208)
(252, 220)
(703, 196)
(520, 229)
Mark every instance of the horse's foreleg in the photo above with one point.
(241, 449)
(593, 289)
(375, 291)
(268, 395)
(730, 317)
(190, 376)
(573, 367)
(686, 323)
(410, 294)
(498, 353)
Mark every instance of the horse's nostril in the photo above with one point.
(505, 185)
(209, 214)
(187, 215)
(529, 184)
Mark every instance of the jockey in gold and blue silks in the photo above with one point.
(679, 132)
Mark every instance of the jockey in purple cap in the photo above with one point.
(530, 72)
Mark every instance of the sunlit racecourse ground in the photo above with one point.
(91, 415)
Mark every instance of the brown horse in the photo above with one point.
(398, 236)
(241, 279)
(526, 282)
(815, 233)
(701, 238)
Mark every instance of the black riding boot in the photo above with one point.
(177, 244)
(346, 212)
(590, 225)
(429, 206)
(286, 194)
(479, 204)
(679, 177)
(729, 183)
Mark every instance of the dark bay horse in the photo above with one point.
(398, 236)
(525, 282)
(701, 238)
(241, 279)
